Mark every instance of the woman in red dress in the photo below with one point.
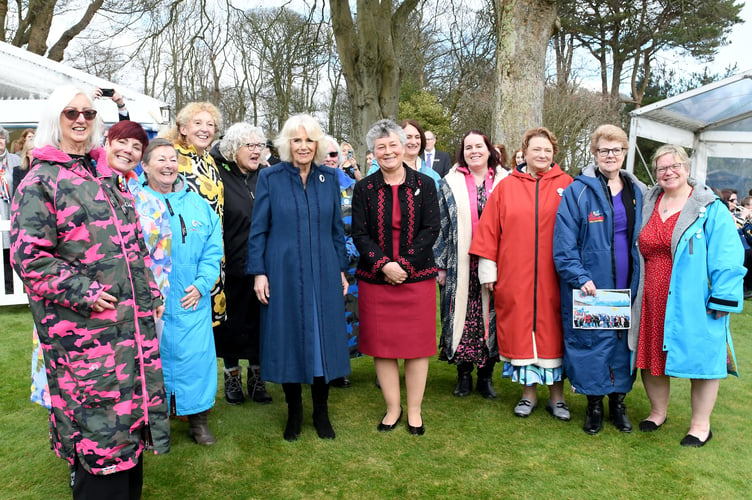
(395, 221)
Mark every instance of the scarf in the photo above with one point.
(472, 192)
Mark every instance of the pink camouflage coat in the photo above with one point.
(75, 236)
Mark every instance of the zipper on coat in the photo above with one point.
(183, 229)
(535, 273)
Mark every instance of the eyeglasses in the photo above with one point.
(673, 167)
(254, 145)
(617, 152)
(72, 114)
(332, 154)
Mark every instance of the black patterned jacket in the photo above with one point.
(372, 226)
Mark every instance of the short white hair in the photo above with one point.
(49, 132)
(236, 136)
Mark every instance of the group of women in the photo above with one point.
(130, 285)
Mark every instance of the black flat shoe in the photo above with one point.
(694, 442)
(382, 427)
(341, 383)
(650, 426)
(416, 431)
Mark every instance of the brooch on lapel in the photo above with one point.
(321, 177)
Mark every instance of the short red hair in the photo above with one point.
(127, 129)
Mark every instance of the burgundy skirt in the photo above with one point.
(398, 322)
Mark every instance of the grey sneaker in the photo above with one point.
(525, 407)
(559, 410)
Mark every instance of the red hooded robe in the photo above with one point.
(516, 231)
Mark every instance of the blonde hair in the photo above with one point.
(608, 133)
(184, 116)
(679, 153)
(312, 129)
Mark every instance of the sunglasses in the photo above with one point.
(333, 154)
(72, 114)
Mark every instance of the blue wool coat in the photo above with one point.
(189, 360)
(298, 242)
(707, 275)
(597, 362)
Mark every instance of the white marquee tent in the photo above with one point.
(28, 79)
(714, 121)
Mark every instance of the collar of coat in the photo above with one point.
(588, 176)
(696, 207)
(411, 178)
(53, 155)
(521, 172)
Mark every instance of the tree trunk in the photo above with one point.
(369, 59)
(525, 28)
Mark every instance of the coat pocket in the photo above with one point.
(95, 373)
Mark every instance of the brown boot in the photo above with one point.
(199, 430)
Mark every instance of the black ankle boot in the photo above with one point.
(294, 411)
(617, 411)
(484, 386)
(593, 415)
(464, 380)
(233, 386)
(256, 386)
(320, 396)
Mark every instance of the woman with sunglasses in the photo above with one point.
(238, 157)
(79, 250)
(692, 279)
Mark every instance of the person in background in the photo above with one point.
(348, 163)
(395, 222)
(77, 247)
(692, 280)
(26, 158)
(268, 157)
(437, 160)
(468, 331)
(195, 128)
(503, 159)
(369, 159)
(515, 242)
(296, 251)
(9, 163)
(346, 185)
(238, 157)
(518, 157)
(117, 98)
(596, 248)
(27, 137)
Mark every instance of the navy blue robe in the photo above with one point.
(297, 241)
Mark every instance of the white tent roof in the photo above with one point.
(715, 121)
(28, 79)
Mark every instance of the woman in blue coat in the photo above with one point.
(596, 234)
(189, 360)
(296, 250)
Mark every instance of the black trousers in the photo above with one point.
(124, 485)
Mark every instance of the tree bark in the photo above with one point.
(368, 55)
(525, 28)
(57, 51)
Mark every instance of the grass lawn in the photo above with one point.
(472, 448)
